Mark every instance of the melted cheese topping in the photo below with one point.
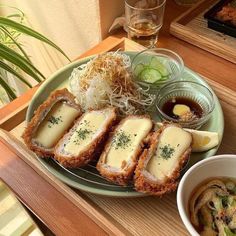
(57, 121)
(120, 152)
(173, 142)
(89, 127)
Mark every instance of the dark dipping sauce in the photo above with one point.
(168, 107)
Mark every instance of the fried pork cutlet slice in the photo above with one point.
(84, 142)
(50, 121)
(159, 166)
(119, 159)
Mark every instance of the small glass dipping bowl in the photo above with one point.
(189, 90)
(172, 62)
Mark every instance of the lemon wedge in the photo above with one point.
(203, 140)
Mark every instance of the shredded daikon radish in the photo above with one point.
(106, 80)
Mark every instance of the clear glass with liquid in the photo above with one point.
(144, 20)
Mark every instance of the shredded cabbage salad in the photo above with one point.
(106, 80)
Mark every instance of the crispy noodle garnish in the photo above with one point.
(106, 80)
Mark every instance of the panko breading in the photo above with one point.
(159, 166)
(49, 123)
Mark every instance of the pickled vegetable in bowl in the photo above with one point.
(152, 72)
(155, 67)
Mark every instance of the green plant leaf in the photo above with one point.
(18, 60)
(15, 42)
(8, 89)
(12, 71)
(14, 15)
(28, 31)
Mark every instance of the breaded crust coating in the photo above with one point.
(92, 151)
(40, 114)
(151, 186)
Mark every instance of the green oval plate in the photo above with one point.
(87, 178)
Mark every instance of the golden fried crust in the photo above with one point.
(40, 114)
(91, 152)
(120, 177)
(143, 183)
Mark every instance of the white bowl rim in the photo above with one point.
(180, 205)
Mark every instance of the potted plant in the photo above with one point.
(14, 61)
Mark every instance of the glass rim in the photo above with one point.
(155, 50)
(145, 9)
(189, 82)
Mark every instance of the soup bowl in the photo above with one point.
(216, 166)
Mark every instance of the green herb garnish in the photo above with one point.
(83, 133)
(121, 140)
(86, 122)
(166, 151)
(54, 121)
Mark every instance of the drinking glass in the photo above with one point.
(144, 20)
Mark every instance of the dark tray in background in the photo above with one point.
(215, 24)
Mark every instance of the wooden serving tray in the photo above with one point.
(192, 28)
(115, 216)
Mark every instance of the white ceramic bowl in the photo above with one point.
(216, 166)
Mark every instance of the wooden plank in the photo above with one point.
(48, 204)
(113, 44)
(23, 188)
(14, 118)
(198, 8)
(86, 206)
(14, 113)
(192, 28)
(106, 45)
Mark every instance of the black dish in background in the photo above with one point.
(215, 24)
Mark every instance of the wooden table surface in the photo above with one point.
(73, 220)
